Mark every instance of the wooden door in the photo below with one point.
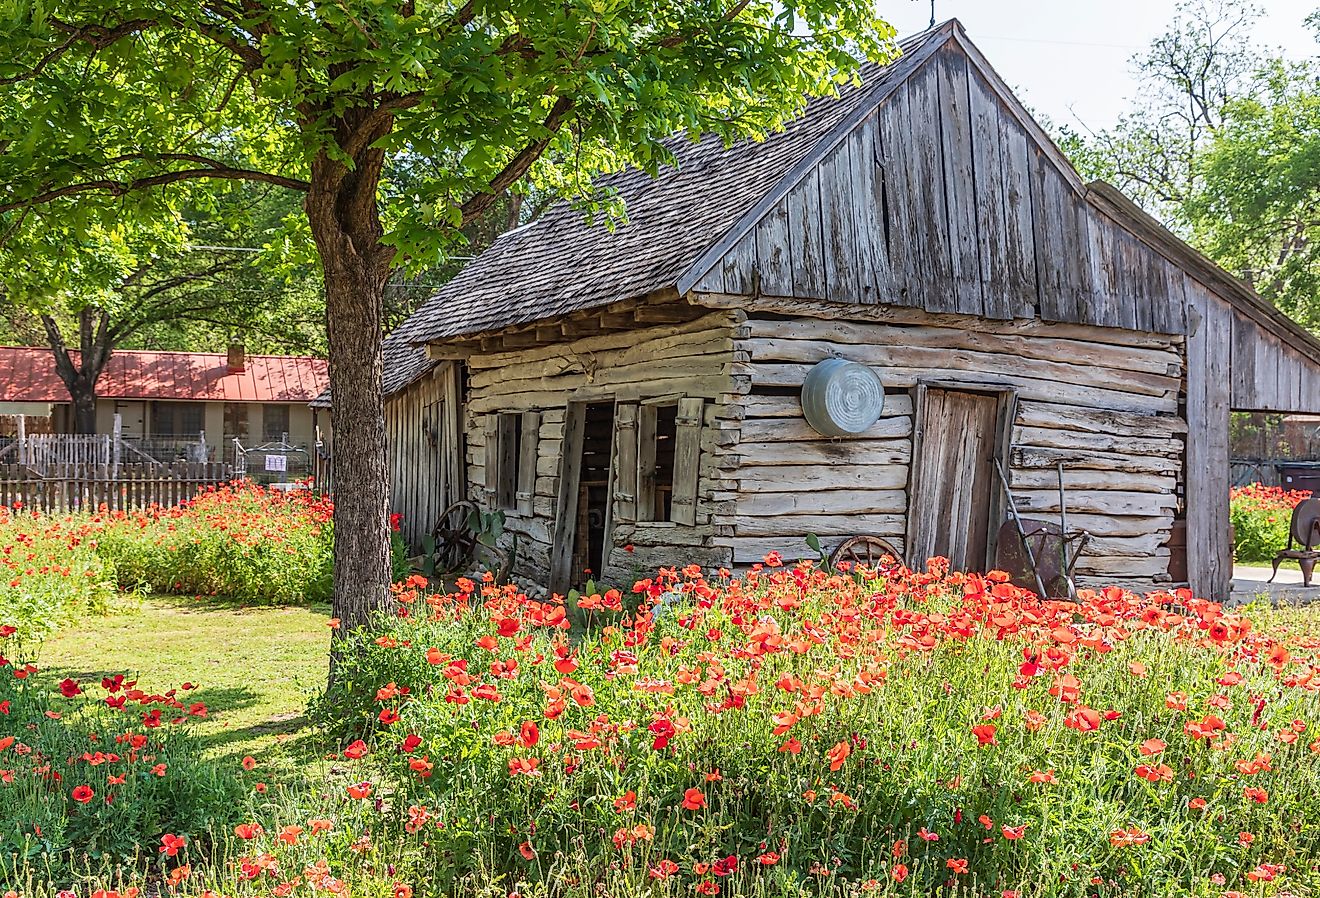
(954, 483)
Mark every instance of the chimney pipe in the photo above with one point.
(237, 358)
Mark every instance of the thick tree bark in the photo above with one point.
(345, 222)
(80, 379)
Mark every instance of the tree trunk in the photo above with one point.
(84, 406)
(345, 222)
(94, 344)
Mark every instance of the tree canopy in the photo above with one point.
(399, 121)
(1223, 145)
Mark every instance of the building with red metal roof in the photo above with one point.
(175, 395)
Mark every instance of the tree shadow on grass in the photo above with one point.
(192, 603)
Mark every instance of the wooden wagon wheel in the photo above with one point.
(458, 544)
(864, 551)
(455, 537)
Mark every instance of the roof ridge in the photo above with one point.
(924, 45)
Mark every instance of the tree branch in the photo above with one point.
(518, 165)
(119, 188)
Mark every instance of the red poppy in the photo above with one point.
(1083, 719)
(838, 754)
(529, 734)
(1153, 746)
(170, 844)
(985, 734)
(359, 791)
(693, 800)
(355, 750)
(82, 794)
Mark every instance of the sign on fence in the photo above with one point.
(64, 488)
(277, 463)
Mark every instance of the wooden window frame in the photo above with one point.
(511, 451)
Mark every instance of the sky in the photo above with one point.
(1069, 59)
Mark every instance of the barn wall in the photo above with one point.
(692, 359)
(1104, 402)
(425, 443)
(1268, 374)
(945, 200)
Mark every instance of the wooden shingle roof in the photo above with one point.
(561, 263)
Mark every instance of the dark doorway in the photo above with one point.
(583, 512)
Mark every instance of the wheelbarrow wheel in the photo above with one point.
(865, 551)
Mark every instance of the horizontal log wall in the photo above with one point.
(693, 359)
(1103, 401)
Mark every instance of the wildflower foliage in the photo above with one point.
(1260, 516)
(793, 731)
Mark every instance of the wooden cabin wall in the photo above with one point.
(1268, 374)
(944, 199)
(425, 447)
(692, 359)
(1104, 402)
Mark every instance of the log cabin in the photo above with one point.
(633, 397)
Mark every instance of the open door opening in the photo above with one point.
(583, 520)
(954, 499)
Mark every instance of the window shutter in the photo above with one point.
(531, 430)
(646, 428)
(625, 462)
(491, 462)
(687, 461)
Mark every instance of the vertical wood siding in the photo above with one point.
(942, 200)
(425, 445)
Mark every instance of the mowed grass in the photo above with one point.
(253, 666)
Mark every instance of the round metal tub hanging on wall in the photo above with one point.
(842, 398)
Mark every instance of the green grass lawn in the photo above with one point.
(253, 666)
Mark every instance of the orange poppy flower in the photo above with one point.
(838, 754)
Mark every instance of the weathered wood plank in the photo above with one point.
(687, 460)
(774, 250)
(961, 193)
(808, 238)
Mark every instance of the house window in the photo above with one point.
(511, 460)
(176, 419)
(236, 420)
(656, 462)
(274, 422)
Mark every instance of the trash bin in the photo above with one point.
(1300, 475)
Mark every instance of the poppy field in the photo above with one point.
(1260, 516)
(240, 541)
(791, 731)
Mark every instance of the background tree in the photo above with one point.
(231, 267)
(1223, 145)
(115, 102)
(1257, 208)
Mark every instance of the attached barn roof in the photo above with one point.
(27, 374)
